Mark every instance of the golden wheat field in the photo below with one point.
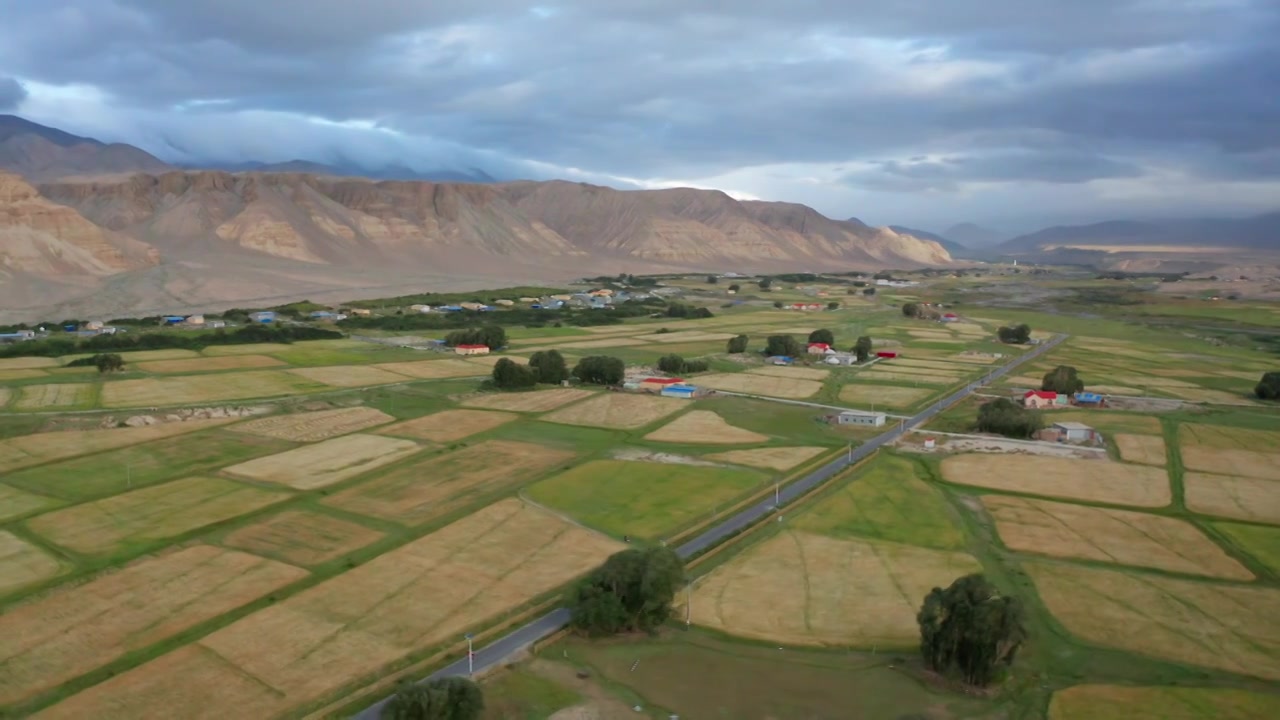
(301, 537)
(207, 364)
(435, 369)
(153, 513)
(934, 378)
(491, 360)
(1124, 702)
(1240, 498)
(325, 463)
(774, 458)
(893, 396)
(1089, 480)
(449, 425)
(314, 426)
(608, 342)
(22, 374)
(704, 426)
(806, 589)
(54, 396)
(685, 336)
(350, 375)
(754, 384)
(310, 645)
(1108, 535)
(25, 363)
(5, 395)
(1240, 463)
(74, 629)
(1228, 627)
(196, 389)
(34, 449)
(624, 411)
(22, 564)
(252, 349)
(536, 401)
(1142, 449)
(441, 484)
(1227, 438)
(818, 374)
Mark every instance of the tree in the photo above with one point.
(671, 364)
(712, 279)
(735, 287)
(108, 362)
(777, 304)
(785, 345)
(970, 630)
(1016, 335)
(1063, 379)
(632, 591)
(869, 291)
(549, 366)
(491, 335)
(822, 335)
(510, 375)
(765, 283)
(862, 348)
(1006, 417)
(449, 698)
(911, 309)
(833, 305)
(738, 344)
(1269, 387)
(600, 370)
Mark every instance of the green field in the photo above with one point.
(1258, 541)
(643, 499)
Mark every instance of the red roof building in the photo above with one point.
(819, 348)
(663, 381)
(1039, 398)
(1046, 394)
(887, 354)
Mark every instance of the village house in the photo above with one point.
(657, 385)
(266, 316)
(1072, 432)
(361, 312)
(1041, 399)
(471, 349)
(683, 392)
(860, 417)
(819, 349)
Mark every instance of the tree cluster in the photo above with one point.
(632, 591)
(685, 310)
(1269, 387)
(822, 335)
(185, 339)
(916, 310)
(1006, 417)
(549, 366)
(1063, 379)
(970, 630)
(869, 291)
(600, 370)
(450, 698)
(737, 345)
(511, 375)
(862, 348)
(1016, 335)
(712, 279)
(675, 365)
(783, 345)
(105, 362)
(765, 283)
(491, 335)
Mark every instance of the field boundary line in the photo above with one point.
(556, 513)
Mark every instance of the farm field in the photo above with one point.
(315, 426)
(1262, 543)
(345, 376)
(325, 463)
(435, 369)
(154, 513)
(75, 629)
(1230, 451)
(207, 364)
(200, 389)
(818, 374)
(1142, 449)
(25, 363)
(802, 588)
(704, 426)
(301, 537)
(1230, 627)
(16, 503)
(22, 563)
(20, 452)
(54, 396)
(449, 425)
(622, 411)
(772, 458)
(1108, 535)
(890, 396)
(755, 384)
(348, 628)
(642, 499)
(534, 402)
(440, 484)
(1088, 480)
(1120, 702)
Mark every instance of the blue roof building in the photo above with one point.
(685, 392)
(1088, 398)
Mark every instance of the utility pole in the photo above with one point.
(471, 657)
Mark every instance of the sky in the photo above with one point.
(1011, 113)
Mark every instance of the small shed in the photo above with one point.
(1088, 398)
(886, 354)
(1074, 431)
(779, 360)
(471, 349)
(175, 319)
(860, 417)
(361, 312)
(686, 392)
(216, 324)
(265, 316)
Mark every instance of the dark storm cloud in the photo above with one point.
(12, 93)
(680, 88)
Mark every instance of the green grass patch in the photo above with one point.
(889, 500)
(117, 471)
(1260, 542)
(642, 499)
(1119, 702)
(519, 694)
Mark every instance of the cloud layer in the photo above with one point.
(923, 111)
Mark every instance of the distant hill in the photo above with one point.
(41, 153)
(391, 172)
(974, 236)
(1261, 232)
(956, 249)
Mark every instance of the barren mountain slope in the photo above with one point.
(42, 153)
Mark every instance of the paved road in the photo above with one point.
(494, 653)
